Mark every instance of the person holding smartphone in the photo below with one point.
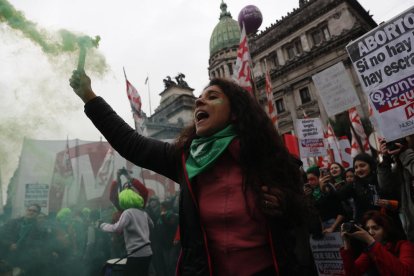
(326, 202)
(364, 190)
(401, 181)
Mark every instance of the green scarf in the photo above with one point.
(204, 151)
(317, 193)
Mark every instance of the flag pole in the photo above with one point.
(149, 94)
(133, 114)
(254, 87)
(123, 68)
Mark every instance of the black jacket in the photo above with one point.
(165, 159)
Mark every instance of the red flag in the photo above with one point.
(61, 179)
(359, 130)
(271, 109)
(242, 71)
(105, 173)
(134, 98)
(355, 148)
(345, 148)
(333, 144)
(323, 162)
(135, 102)
(291, 143)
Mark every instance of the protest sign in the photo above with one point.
(384, 61)
(326, 254)
(36, 193)
(336, 89)
(310, 135)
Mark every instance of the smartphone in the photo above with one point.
(323, 171)
(307, 185)
(392, 145)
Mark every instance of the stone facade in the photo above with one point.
(174, 112)
(224, 42)
(306, 41)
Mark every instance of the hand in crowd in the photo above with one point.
(272, 201)
(360, 234)
(385, 151)
(328, 230)
(324, 180)
(307, 189)
(81, 84)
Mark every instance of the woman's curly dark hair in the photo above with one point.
(264, 159)
(392, 233)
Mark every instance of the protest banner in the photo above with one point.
(36, 177)
(336, 89)
(311, 138)
(36, 193)
(326, 254)
(384, 61)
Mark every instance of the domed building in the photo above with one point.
(301, 44)
(224, 42)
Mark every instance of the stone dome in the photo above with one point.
(226, 34)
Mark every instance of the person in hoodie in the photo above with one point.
(135, 225)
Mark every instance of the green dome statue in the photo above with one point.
(226, 34)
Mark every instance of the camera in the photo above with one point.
(349, 227)
(392, 146)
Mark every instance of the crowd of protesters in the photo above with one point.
(72, 242)
(241, 202)
(371, 205)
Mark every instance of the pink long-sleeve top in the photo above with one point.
(238, 243)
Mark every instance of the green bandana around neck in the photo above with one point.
(204, 151)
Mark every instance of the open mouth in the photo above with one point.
(201, 115)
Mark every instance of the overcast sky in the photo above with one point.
(149, 37)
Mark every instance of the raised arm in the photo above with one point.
(152, 154)
(81, 84)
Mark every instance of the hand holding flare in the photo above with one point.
(84, 43)
(79, 81)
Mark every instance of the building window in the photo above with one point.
(230, 69)
(280, 107)
(320, 34)
(326, 33)
(274, 60)
(294, 49)
(304, 95)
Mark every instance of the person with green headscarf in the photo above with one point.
(241, 195)
(135, 225)
(325, 200)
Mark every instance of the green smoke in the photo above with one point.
(53, 44)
